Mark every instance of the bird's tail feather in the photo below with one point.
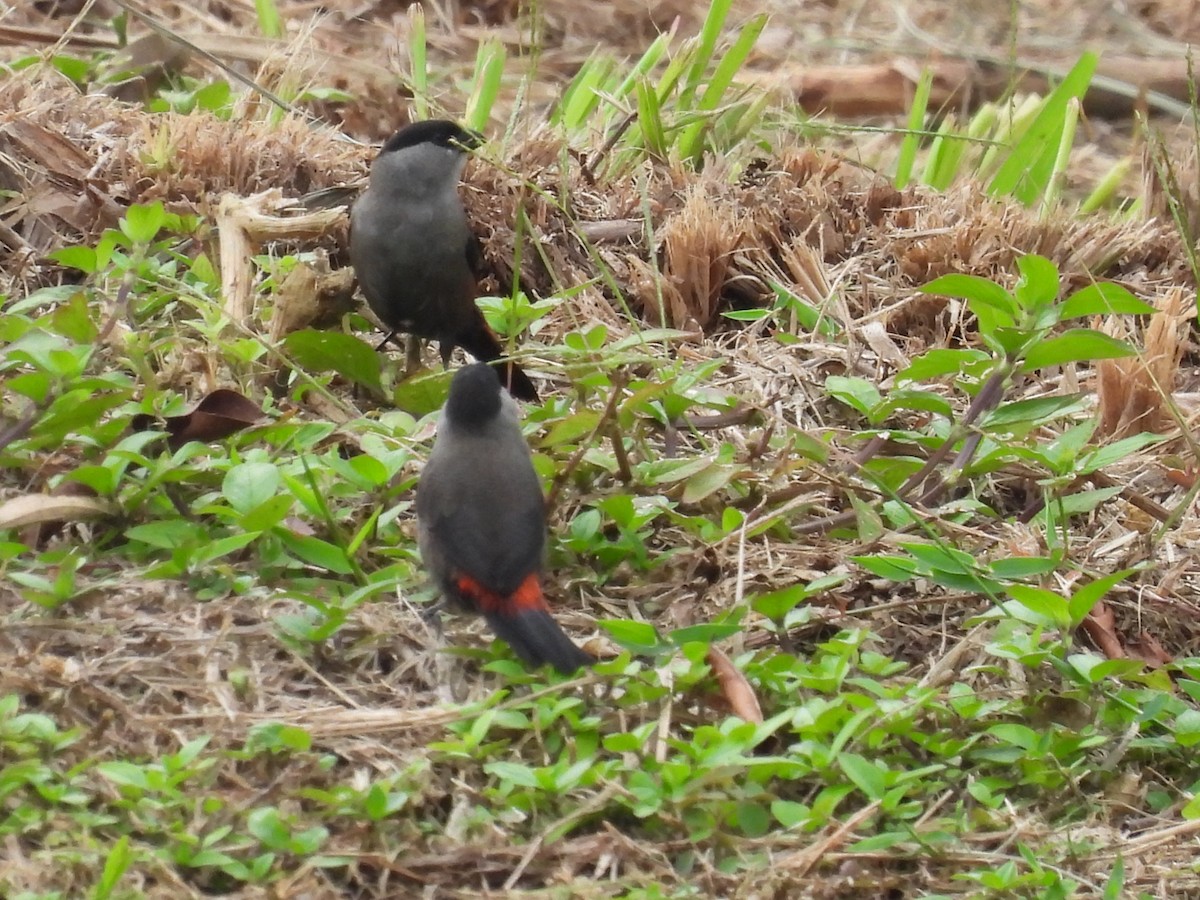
(536, 638)
(482, 343)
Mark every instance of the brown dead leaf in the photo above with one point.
(44, 509)
(1100, 626)
(221, 413)
(1147, 648)
(735, 687)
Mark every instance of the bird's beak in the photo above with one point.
(470, 140)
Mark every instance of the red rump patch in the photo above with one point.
(527, 596)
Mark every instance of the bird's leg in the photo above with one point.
(431, 616)
(412, 361)
(446, 348)
(387, 337)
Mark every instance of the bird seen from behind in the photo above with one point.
(481, 521)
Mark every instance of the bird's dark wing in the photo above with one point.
(475, 260)
(484, 521)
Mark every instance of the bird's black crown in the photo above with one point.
(474, 396)
(441, 132)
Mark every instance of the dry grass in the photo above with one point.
(144, 666)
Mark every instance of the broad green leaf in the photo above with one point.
(1015, 567)
(638, 637)
(1103, 298)
(1013, 733)
(947, 559)
(331, 351)
(936, 363)
(1104, 456)
(857, 393)
(1044, 604)
(141, 223)
(896, 568)
(1030, 413)
(1082, 502)
(223, 547)
(972, 287)
(703, 634)
(1084, 599)
(315, 551)
(1074, 346)
(1039, 282)
(865, 774)
(248, 485)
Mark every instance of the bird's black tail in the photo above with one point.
(536, 638)
(483, 344)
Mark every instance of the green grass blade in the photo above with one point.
(489, 71)
(582, 95)
(691, 145)
(710, 33)
(916, 125)
(1105, 192)
(1028, 168)
(270, 23)
(418, 61)
(1058, 172)
(945, 155)
(650, 120)
(649, 59)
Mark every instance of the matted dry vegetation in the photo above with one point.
(145, 666)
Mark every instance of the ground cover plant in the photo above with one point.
(867, 448)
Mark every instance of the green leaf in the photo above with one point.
(1073, 346)
(708, 481)
(690, 144)
(1085, 599)
(486, 81)
(637, 637)
(944, 558)
(231, 543)
(915, 130)
(857, 393)
(1031, 413)
(1016, 734)
(1015, 567)
(1038, 287)
(1104, 456)
(866, 775)
(649, 119)
(1045, 605)
(331, 351)
(248, 485)
(266, 825)
(1027, 170)
(895, 568)
(513, 773)
(315, 551)
(1082, 502)
(974, 288)
(1103, 298)
(703, 634)
(81, 258)
(141, 224)
(789, 813)
(777, 604)
(270, 23)
(936, 363)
